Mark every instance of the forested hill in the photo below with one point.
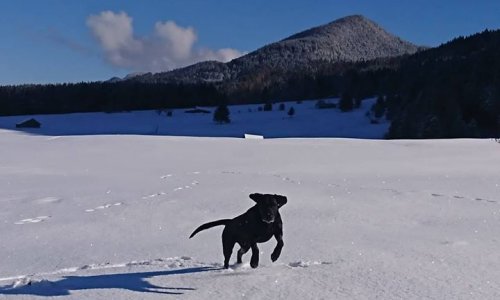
(449, 91)
(349, 39)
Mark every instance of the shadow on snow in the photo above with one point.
(136, 282)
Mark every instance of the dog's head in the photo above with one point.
(268, 205)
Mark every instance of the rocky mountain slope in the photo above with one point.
(350, 39)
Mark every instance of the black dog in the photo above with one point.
(257, 225)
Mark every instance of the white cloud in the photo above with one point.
(170, 46)
(176, 40)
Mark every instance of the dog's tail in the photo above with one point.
(209, 225)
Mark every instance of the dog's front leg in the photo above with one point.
(277, 250)
(254, 260)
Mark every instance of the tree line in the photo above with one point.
(449, 91)
(103, 96)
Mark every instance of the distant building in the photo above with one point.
(31, 123)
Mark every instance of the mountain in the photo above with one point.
(127, 77)
(449, 91)
(350, 39)
(353, 38)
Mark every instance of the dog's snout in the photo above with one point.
(268, 218)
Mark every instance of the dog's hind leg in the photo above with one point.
(244, 249)
(254, 260)
(227, 247)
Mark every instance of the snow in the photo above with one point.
(253, 137)
(245, 119)
(108, 216)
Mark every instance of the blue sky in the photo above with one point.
(73, 40)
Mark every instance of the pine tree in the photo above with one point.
(221, 114)
(379, 107)
(268, 106)
(357, 102)
(291, 111)
(346, 103)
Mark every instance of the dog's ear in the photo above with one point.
(281, 200)
(256, 197)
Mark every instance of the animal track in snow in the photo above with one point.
(162, 263)
(231, 172)
(454, 243)
(187, 187)
(463, 197)
(289, 180)
(178, 188)
(32, 220)
(282, 177)
(100, 207)
(305, 264)
(170, 262)
(481, 199)
(171, 175)
(285, 178)
(48, 200)
(154, 195)
(437, 195)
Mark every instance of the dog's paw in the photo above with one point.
(274, 256)
(254, 265)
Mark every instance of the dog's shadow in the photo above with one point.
(136, 282)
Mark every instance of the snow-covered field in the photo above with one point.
(108, 217)
(307, 122)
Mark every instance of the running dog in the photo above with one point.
(257, 225)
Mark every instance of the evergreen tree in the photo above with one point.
(379, 107)
(268, 106)
(221, 114)
(291, 111)
(346, 103)
(357, 102)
